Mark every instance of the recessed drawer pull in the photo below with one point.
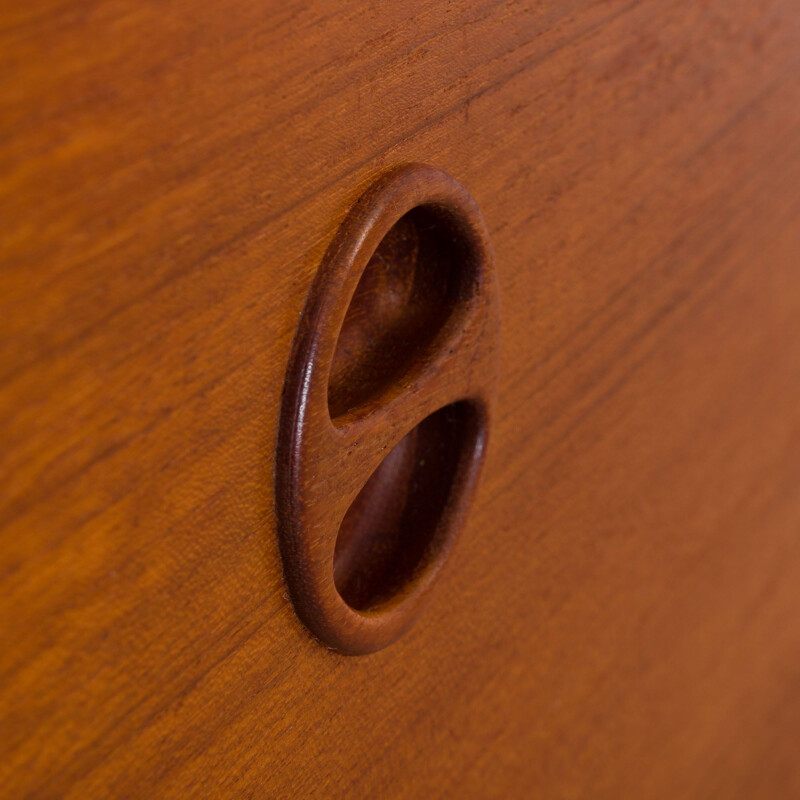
(386, 408)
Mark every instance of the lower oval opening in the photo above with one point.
(398, 523)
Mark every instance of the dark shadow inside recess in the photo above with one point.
(397, 524)
(422, 270)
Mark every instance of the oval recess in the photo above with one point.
(419, 276)
(391, 531)
(387, 407)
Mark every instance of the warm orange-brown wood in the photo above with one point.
(621, 616)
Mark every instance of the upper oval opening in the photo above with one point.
(421, 272)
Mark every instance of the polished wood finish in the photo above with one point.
(621, 617)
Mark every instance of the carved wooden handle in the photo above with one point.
(387, 408)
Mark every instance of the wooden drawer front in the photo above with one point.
(621, 616)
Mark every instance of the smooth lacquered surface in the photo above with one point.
(619, 618)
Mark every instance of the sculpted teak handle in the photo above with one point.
(387, 408)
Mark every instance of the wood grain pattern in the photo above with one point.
(622, 615)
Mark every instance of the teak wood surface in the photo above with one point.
(621, 617)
